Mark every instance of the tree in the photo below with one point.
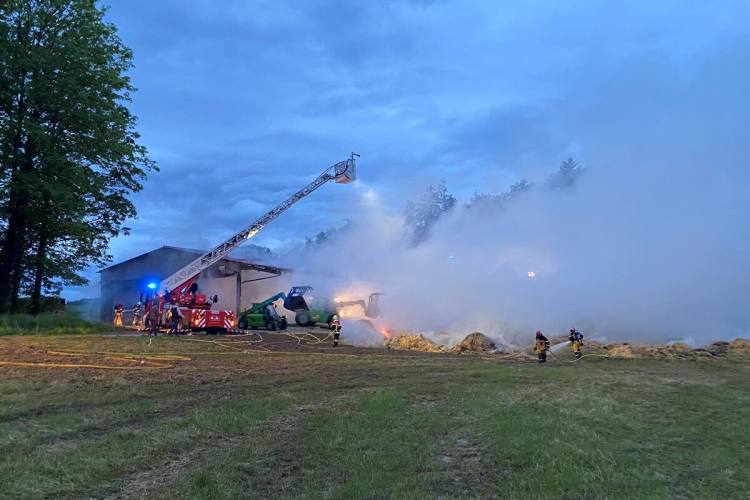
(498, 200)
(566, 175)
(325, 237)
(421, 216)
(69, 152)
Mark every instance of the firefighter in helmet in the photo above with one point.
(541, 346)
(152, 318)
(137, 314)
(336, 328)
(175, 315)
(119, 308)
(576, 342)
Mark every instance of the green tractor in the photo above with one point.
(263, 315)
(308, 311)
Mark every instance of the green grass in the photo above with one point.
(49, 324)
(373, 426)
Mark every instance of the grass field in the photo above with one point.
(49, 324)
(364, 424)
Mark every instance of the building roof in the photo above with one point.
(247, 265)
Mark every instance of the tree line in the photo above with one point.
(421, 215)
(69, 150)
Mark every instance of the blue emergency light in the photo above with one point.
(151, 286)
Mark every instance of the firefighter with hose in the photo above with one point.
(137, 314)
(336, 327)
(541, 346)
(576, 342)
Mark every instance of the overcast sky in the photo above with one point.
(243, 102)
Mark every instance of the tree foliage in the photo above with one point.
(69, 151)
(422, 215)
(493, 200)
(325, 237)
(566, 175)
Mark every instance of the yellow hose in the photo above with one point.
(147, 361)
(83, 365)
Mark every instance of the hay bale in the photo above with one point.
(474, 342)
(413, 343)
(739, 346)
(718, 349)
(680, 347)
(620, 351)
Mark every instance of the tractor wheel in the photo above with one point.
(302, 318)
(271, 325)
(283, 324)
(242, 323)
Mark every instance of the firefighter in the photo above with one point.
(174, 316)
(152, 318)
(336, 327)
(137, 314)
(119, 308)
(541, 347)
(193, 291)
(270, 312)
(576, 342)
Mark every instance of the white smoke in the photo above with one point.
(621, 254)
(651, 243)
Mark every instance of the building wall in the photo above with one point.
(125, 282)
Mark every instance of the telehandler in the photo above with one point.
(263, 315)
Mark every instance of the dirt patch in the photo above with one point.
(429, 403)
(139, 485)
(461, 468)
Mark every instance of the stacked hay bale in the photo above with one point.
(413, 343)
(679, 350)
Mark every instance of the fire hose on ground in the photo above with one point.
(143, 361)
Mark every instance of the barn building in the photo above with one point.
(232, 280)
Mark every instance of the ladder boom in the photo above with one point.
(343, 172)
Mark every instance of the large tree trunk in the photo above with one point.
(14, 246)
(11, 257)
(11, 253)
(36, 293)
(15, 288)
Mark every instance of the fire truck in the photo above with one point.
(181, 288)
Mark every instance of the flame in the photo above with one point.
(385, 333)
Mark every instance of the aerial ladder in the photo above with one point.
(181, 286)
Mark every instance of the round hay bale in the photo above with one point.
(740, 346)
(475, 342)
(680, 347)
